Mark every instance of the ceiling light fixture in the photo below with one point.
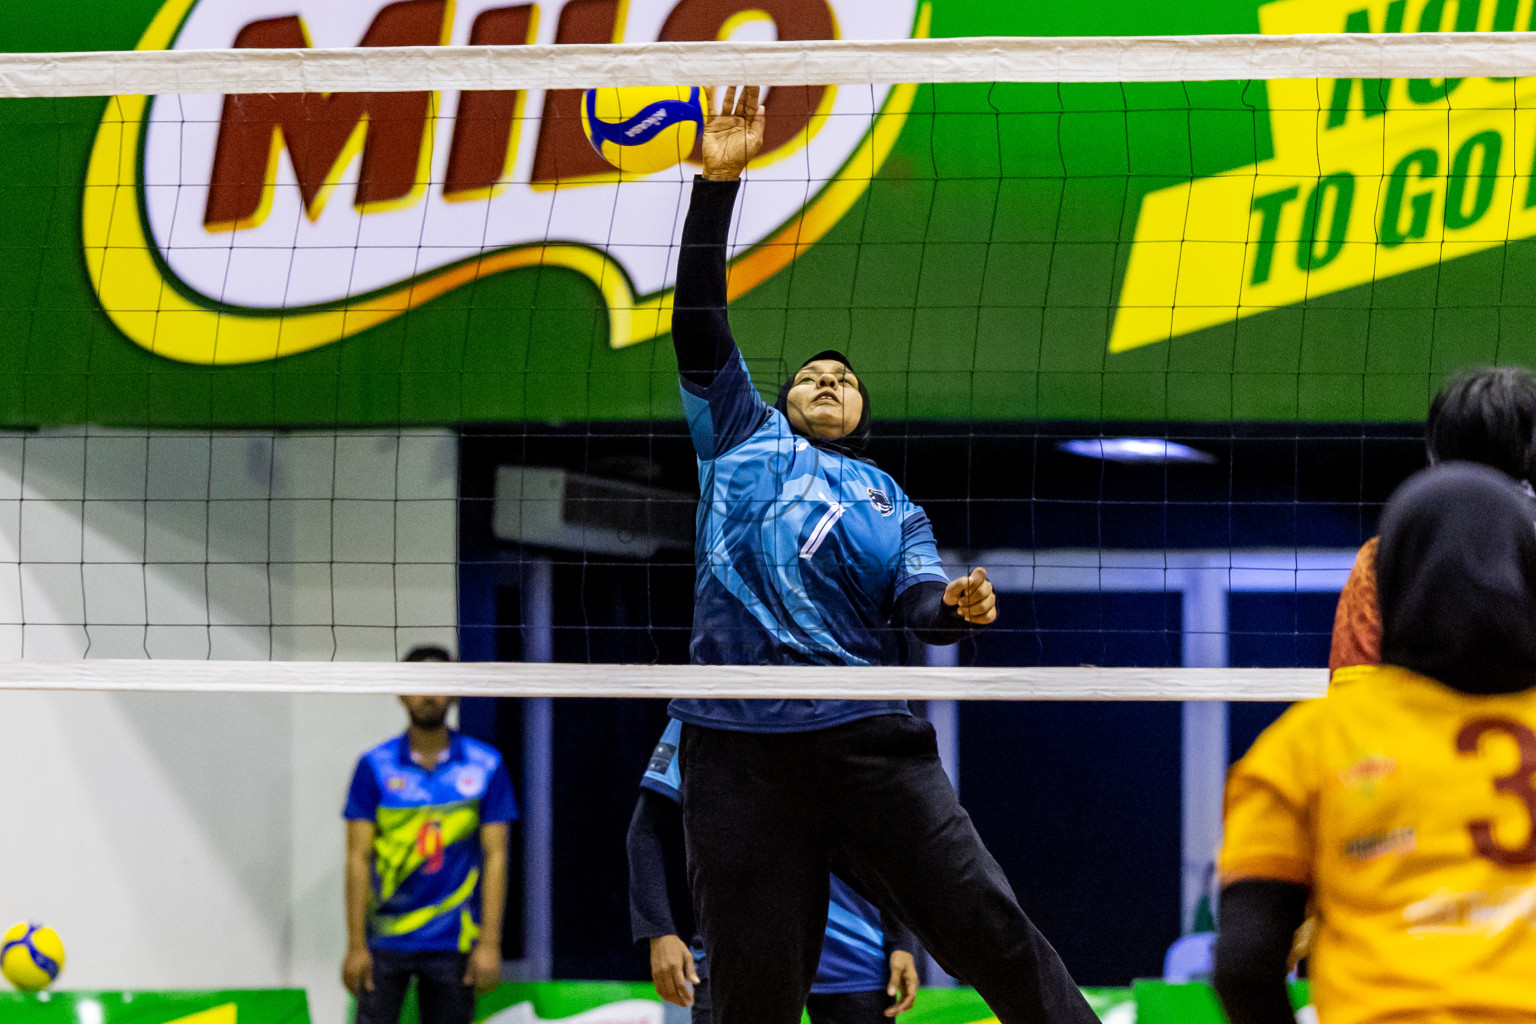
(1144, 450)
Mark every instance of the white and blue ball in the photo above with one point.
(642, 130)
(31, 956)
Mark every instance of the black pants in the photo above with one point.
(821, 1007)
(440, 990)
(848, 1007)
(767, 817)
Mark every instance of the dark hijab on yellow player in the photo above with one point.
(1457, 575)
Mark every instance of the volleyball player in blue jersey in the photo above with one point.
(808, 554)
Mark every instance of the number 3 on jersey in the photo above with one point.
(1518, 784)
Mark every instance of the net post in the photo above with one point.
(1203, 733)
(538, 777)
(944, 716)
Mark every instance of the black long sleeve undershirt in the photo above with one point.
(1259, 918)
(701, 332)
(652, 844)
(921, 609)
(897, 936)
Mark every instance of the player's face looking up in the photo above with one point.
(824, 400)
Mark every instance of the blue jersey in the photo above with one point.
(801, 556)
(425, 894)
(853, 951)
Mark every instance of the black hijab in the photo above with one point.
(851, 444)
(1456, 572)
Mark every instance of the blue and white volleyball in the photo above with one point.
(31, 956)
(642, 130)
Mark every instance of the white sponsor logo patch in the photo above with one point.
(470, 781)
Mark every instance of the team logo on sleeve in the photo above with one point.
(243, 228)
(881, 501)
(661, 757)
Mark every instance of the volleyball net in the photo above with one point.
(332, 333)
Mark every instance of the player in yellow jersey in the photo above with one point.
(1402, 806)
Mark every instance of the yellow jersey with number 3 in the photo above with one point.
(1410, 810)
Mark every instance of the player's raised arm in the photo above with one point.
(701, 333)
(718, 417)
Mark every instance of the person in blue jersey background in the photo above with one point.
(866, 972)
(426, 875)
(808, 554)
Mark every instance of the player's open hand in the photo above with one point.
(903, 984)
(972, 598)
(484, 968)
(672, 970)
(733, 136)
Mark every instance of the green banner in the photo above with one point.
(636, 1003)
(261, 1006)
(1195, 1003)
(1147, 1002)
(1320, 251)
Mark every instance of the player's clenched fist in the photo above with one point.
(972, 598)
(357, 971)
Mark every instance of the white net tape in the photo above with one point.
(726, 681)
(815, 62)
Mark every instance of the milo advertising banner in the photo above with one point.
(569, 1002)
(1314, 250)
(579, 1002)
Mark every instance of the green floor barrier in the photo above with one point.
(1194, 1003)
(619, 1003)
(262, 1006)
(550, 1000)
(1147, 1002)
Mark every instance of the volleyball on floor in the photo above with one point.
(642, 130)
(31, 956)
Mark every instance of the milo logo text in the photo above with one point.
(260, 225)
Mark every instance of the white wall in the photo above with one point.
(194, 841)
